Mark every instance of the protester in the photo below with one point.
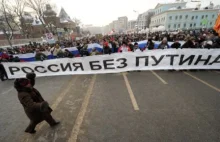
(217, 43)
(176, 44)
(189, 43)
(130, 45)
(163, 44)
(55, 50)
(124, 48)
(106, 48)
(68, 54)
(136, 48)
(40, 56)
(150, 44)
(114, 46)
(35, 107)
(208, 44)
(4, 56)
(3, 74)
(94, 52)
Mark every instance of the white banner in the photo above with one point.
(120, 62)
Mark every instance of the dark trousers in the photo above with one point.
(3, 74)
(47, 117)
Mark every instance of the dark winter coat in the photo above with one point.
(150, 45)
(176, 45)
(189, 44)
(34, 105)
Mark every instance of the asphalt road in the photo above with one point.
(159, 106)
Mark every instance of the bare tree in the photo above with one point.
(17, 8)
(38, 6)
(8, 23)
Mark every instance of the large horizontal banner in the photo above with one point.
(120, 62)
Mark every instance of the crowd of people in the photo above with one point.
(113, 43)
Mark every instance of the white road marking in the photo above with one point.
(133, 100)
(80, 117)
(202, 81)
(11, 88)
(161, 79)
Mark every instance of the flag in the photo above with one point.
(217, 25)
(205, 21)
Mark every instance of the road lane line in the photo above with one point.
(202, 81)
(161, 79)
(60, 98)
(133, 100)
(80, 117)
(9, 90)
(64, 91)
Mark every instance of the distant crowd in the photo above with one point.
(115, 43)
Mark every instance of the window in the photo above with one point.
(178, 25)
(184, 25)
(174, 26)
(180, 16)
(192, 17)
(210, 23)
(206, 16)
(202, 16)
(196, 17)
(169, 26)
(170, 17)
(201, 24)
(194, 24)
(186, 16)
(176, 17)
(190, 25)
(213, 16)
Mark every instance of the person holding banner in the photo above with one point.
(163, 44)
(106, 48)
(150, 44)
(40, 56)
(124, 48)
(136, 48)
(35, 107)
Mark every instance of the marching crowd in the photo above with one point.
(113, 43)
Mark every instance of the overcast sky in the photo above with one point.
(102, 12)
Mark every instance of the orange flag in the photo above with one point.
(217, 25)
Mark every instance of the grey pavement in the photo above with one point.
(183, 110)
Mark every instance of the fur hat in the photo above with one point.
(20, 84)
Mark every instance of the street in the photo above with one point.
(147, 106)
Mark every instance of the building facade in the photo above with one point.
(131, 24)
(115, 25)
(177, 16)
(143, 20)
(122, 23)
